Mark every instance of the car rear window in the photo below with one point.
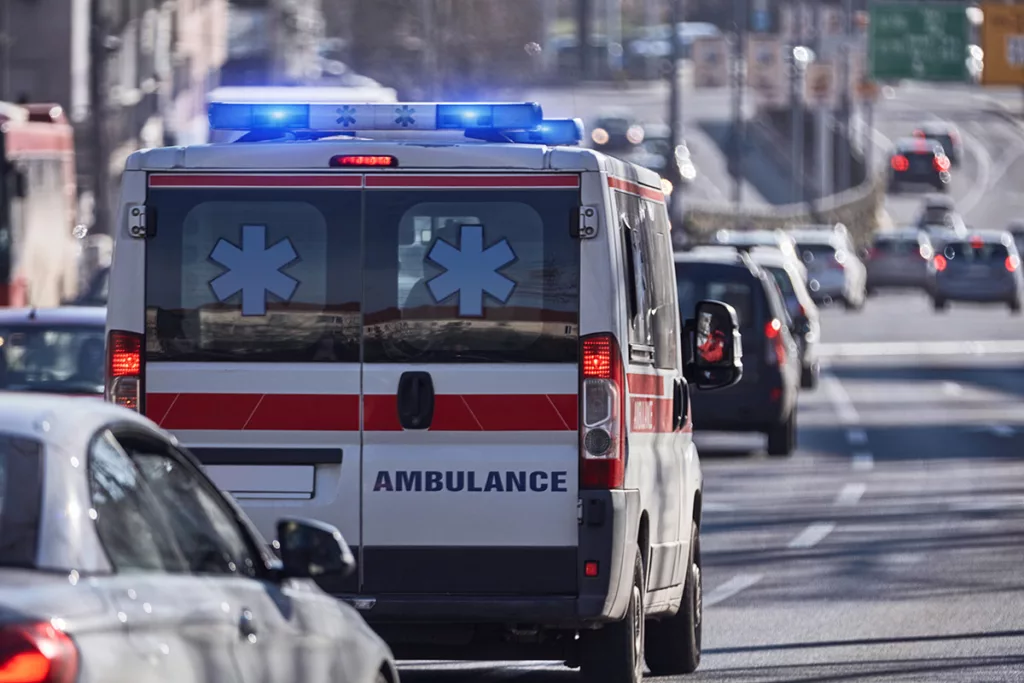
(966, 252)
(343, 275)
(21, 487)
(782, 280)
(811, 253)
(697, 283)
(62, 359)
(896, 247)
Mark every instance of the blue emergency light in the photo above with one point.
(521, 122)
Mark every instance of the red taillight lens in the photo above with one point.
(37, 653)
(1012, 263)
(940, 263)
(375, 160)
(941, 163)
(919, 134)
(775, 353)
(900, 163)
(603, 414)
(124, 369)
(977, 243)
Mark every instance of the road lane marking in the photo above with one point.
(863, 461)
(850, 494)
(740, 582)
(939, 348)
(840, 399)
(858, 437)
(812, 535)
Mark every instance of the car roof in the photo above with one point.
(915, 144)
(993, 236)
(815, 237)
(62, 420)
(908, 234)
(710, 252)
(936, 126)
(63, 315)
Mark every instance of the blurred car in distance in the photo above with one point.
(163, 551)
(616, 130)
(777, 239)
(982, 268)
(53, 350)
(834, 272)
(791, 277)
(918, 161)
(765, 399)
(899, 259)
(947, 135)
(938, 213)
(656, 153)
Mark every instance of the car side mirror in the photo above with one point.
(310, 549)
(717, 359)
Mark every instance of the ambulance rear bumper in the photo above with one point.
(608, 534)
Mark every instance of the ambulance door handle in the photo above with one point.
(415, 400)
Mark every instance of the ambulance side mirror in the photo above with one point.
(311, 549)
(716, 349)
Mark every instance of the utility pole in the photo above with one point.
(796, 102)
(675, 109)
(846, 105)
(739, 133)
(97, 116)
(430, 49)
(650, 21)
(583, 8)
(6, 40)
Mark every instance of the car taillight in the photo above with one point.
(919, 134)
(900, 163)
(1012, 263)
(940, 263)
(940, 162)
(37, 653)
(603, 414)
(124, 370)
(775, 353)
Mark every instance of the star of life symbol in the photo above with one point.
(405, 116)
(254, 270)
(346, 115)
(471, 271)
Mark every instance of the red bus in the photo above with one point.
(39, 263)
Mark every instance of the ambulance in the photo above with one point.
(453, 334)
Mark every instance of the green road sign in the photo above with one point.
(922, 41)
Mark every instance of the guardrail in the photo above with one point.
(858, 208)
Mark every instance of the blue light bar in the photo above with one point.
(550, 132)
(489, 116)
(339, 117)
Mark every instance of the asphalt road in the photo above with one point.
(889, 546)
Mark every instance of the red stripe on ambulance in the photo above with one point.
(648, 385)
(333, 412)
(634, 188)
(407, 181)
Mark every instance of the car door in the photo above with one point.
(175, 623)
(470, 381)
(285, 631)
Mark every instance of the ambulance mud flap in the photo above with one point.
(608, 533)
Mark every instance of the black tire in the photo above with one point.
(615, 652)
(1015, 306)
(673, 644)
(782, 437)
(808, 377)
(940, 304)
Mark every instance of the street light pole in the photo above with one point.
(845, 159)
(738, 124)
(675, 113)
(583, 36)
(6, 39)
(97, 116)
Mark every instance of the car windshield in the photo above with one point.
(62, 359)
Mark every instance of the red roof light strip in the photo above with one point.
(547, 180)
(634, 188)
(213, 180)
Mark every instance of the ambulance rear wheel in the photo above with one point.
(673, 644)
(615, 653)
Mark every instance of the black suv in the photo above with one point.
(918, 161)
(764, 400)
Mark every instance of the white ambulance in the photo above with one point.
(454, 334)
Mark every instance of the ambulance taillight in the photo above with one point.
(124, 369)
(603, 431)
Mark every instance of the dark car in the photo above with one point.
(616, 130)
(947, 135)
(899, 259)
(53, 350)
(982, 268)
(765, 398)
(918, 161)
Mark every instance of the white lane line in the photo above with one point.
(840, 399)
(862, 462)
(812, 535)
(857, 437)
(850, 494)
(740, 582)
(939, 348)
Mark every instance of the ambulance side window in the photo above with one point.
(637, 269)
(664, 306)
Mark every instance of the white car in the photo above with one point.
(443, 336)
(120, 562)
(834, 270)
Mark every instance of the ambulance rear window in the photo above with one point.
(343, 275)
